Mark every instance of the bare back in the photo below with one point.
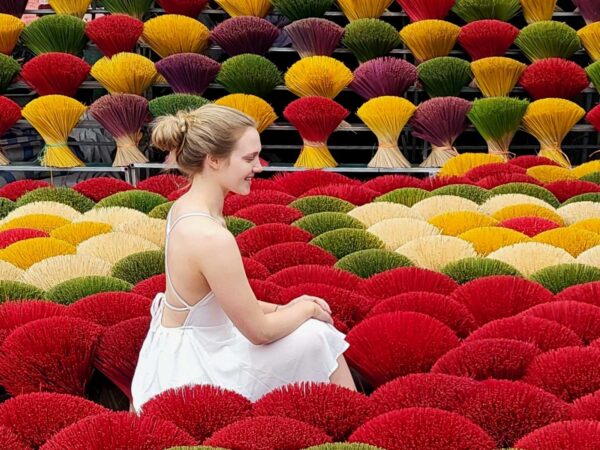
(185, 284)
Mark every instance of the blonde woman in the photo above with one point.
(208, 327)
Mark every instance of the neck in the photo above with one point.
(207, 195)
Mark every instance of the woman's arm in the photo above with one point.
(218, 258)
(267, 307)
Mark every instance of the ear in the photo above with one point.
(213, 162)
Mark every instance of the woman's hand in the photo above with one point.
(310, 298)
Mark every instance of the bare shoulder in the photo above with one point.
(202, 232)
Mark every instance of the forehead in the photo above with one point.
(249, 141)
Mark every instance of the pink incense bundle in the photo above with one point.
(315, 118)
(188, 73)
(10, 113)
(485, 38)
(114, 33)
(123, 116)
(440, 121)
(426, 9)
(55, 73)
(314, 36)
(245, 34)
(190, 8)
(385, 76)
(554, 78)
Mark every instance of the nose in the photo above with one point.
(258, 168)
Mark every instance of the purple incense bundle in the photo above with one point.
(123, 116)
(383, 76)
(245, 34)
(13, 7)
(440, 121)
(314, 36)
(188, 73)
(589, 9)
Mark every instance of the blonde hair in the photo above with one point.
(192, 135)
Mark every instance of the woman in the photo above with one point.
(208, 327)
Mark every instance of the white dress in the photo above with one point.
(209, 349)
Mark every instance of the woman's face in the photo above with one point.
(243, 163)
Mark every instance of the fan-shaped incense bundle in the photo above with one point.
(254, 106)
(426, 9)
(133, 8)
(386, 117)
(246, 34)
(188, 73)
(549, 120)
(173, 103)
(10, 113)
(471, 10)
(186, 35)
(315, 118)
(548, 39)
(115, 33)
(190, 8)
(589, 9)
(497, 119)
(258, 8)
(429, 39)
(55, 33)
(593, 71)
(54, 116)
(383, 76)
(10, 30)
(440, 121)
(554, 77)
(76, 8)
(538, 10)
(13, 7)
(128, 73)
(590, 38)
(249, 74)
(486, 38)
(444, 76)
(55, 73)
(318, 76)
(9, 68)
(363, 9)
(593, 117)
(296, 10)
(370, 38)
(123, 116)
(314, 36)
(497, 76)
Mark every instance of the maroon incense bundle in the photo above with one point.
(123, 116)
(384, 76)
(13, 7)
(114, 33)
(484, 38)
(440, 121)
(554, 78)
(314, 36)
(55, 73)
(10, 113)
(245, 34)
(188, 73)
(190, 8)
(589, 9)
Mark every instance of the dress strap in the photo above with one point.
(187, 306)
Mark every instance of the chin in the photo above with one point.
(243, 189)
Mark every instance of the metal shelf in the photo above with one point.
(57, 171)
(220, 12)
